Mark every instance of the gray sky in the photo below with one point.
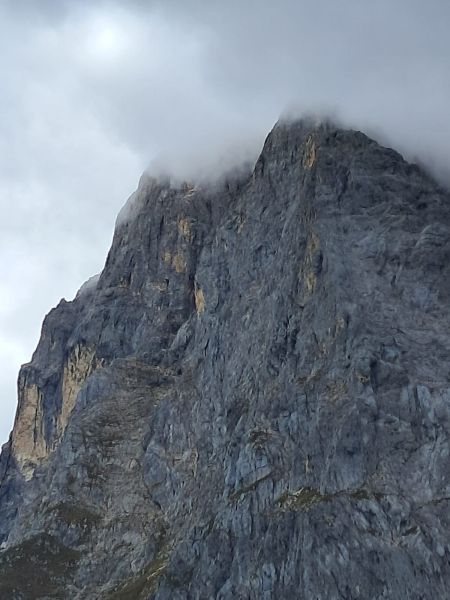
(92, 92)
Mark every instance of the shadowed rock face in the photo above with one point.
(254, 400)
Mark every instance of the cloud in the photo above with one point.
(94, 91)
(192, 81)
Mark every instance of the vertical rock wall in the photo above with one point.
(254, 400)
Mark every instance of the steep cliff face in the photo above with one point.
(253, 401)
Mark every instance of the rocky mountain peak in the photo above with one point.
(253, 399)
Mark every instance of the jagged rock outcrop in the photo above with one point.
(253, 400)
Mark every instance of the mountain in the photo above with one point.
(252, 401)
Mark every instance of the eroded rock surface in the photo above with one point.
(253, 400)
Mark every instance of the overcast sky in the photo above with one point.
(93, 92)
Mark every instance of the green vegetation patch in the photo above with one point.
(305, 498)
(75, 515)
(138, 588)
(39, 567)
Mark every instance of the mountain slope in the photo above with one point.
(254, 399)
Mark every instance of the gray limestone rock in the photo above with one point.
(253, 400)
